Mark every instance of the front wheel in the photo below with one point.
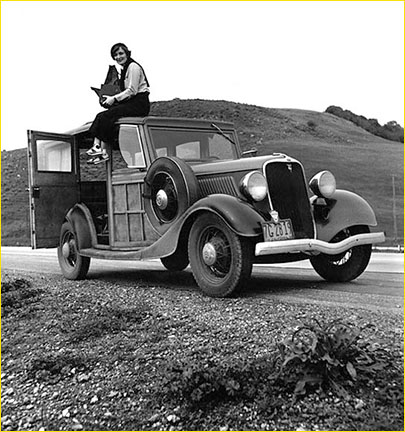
(348, 265)
(221, 261)
(73, 265)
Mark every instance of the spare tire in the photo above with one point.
(170, 189)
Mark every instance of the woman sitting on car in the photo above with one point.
(132, 101)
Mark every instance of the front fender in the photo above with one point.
(345, 209)
(243, 219)
(80, 218)
(239, 215)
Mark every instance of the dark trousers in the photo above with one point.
(103, 126)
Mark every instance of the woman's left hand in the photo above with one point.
(109, 100)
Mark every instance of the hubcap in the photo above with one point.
(209, 254)
(66, 250)
(162, 199)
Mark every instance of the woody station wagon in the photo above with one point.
(181, 190)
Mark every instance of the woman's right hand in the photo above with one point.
(109, 100)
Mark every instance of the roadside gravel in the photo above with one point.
(94, 355)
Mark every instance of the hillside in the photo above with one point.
(361, 162)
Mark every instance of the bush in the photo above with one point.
(103, 319)
(15, 293)
(390, 131)
(202, 381)
(329, 356)
(55, 366)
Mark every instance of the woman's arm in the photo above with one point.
(132, 80)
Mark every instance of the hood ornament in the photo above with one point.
(290, 167)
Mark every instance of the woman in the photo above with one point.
(133, 100)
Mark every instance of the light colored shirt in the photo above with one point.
(134, 82)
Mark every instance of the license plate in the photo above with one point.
(282, 230)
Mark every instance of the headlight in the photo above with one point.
(254, 186)
(323, 184)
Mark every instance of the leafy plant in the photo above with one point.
(14, 285)
(15, 293)
(197, 381)
(311, 124)
(328, 355)
(55, 366)
(102, 319)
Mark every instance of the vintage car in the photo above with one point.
(182, 191)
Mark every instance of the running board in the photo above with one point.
(135, 255)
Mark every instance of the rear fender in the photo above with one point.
(345, 209)
(80, 218)
(237, 214)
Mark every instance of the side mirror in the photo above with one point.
(251, 153)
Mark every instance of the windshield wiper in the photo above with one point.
(223, 133)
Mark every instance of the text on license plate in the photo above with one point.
(282, 230)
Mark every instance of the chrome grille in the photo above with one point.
(289, 196)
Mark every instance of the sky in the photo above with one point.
(304, 55)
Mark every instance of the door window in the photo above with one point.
(54, 156)
(130, 146)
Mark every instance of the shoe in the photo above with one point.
(95, 150)
(98, 159)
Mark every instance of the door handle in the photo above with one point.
(35, 191)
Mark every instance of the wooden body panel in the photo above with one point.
(129, 225)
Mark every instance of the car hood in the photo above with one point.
(243, 164)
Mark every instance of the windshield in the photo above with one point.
(193, 145)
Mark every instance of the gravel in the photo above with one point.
(93, 355)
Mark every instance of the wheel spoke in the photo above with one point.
(342, 259)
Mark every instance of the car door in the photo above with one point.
(53, 184)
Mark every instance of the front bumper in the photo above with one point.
(314, 246)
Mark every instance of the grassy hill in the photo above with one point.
(361, 162)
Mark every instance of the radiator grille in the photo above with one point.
(288, 194)
(212, 185)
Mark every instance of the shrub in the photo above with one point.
(103, 319)
(55, 366)
(14, 285)
(390, 131)
(332, 356)
(201, 381)
(329, 355)
(15, 293)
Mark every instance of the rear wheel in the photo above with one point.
(73, 265)
(220, 260)
(348, 265)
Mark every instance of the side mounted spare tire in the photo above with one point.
(171, 187)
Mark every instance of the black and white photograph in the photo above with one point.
(202, 211)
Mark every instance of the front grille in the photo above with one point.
(289, 196)
(220, 184)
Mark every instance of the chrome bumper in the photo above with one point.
(314, 246)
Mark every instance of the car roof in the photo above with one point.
(161, 121)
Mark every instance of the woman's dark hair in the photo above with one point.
(117, 46)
